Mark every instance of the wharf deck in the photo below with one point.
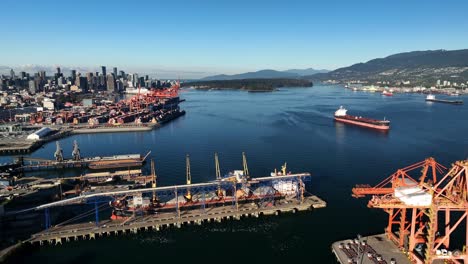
(91, 230)
(112, 129)
(346, 251)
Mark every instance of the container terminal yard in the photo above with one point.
(427, 217)
(122, 209)
(141, 112)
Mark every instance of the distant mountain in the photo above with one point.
(304, 72)
(416, 66)
(253, 85)
(265, 74)
(50, 69)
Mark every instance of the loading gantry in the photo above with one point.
(76, 151)
(424, 214)
(219, 192)
(246, 168)
(188, 196)
(154, 200)
(58, 152)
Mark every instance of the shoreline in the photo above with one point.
(25, 146)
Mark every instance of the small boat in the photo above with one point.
(387, 93)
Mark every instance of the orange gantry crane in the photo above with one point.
(140, 101)
(424, 214)
(401, 178)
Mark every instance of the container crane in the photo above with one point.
(426, 213)
(401, 178)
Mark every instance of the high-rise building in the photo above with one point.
(119, 86)
(32, 86)
(58, 71)
(141, 82)
(122, 74)
(23, 75)
(115, 72)
(104, 74)
(102, 81)
(12, 74)
(73, 77)
(42, 74)
(60, 81)
(90, 78)
(135, 80)
(111, 83)
(39, 83)
(82, 82)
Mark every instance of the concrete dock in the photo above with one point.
(113, 129)
(376, 249)
(91, 230)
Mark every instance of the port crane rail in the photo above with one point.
(424, 231)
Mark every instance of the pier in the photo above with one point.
(176, 211)
(58, 234)
(376, 249)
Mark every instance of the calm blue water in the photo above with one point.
(293, 125)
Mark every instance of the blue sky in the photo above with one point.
(204, 37)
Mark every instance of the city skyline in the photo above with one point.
(190, 39)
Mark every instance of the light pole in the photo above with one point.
(360, 254)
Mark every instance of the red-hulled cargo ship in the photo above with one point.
(341, 116)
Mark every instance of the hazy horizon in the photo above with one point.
(194, 39)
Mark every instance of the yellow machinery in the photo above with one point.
(246, 168)
(219, 192)
(153, 182)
